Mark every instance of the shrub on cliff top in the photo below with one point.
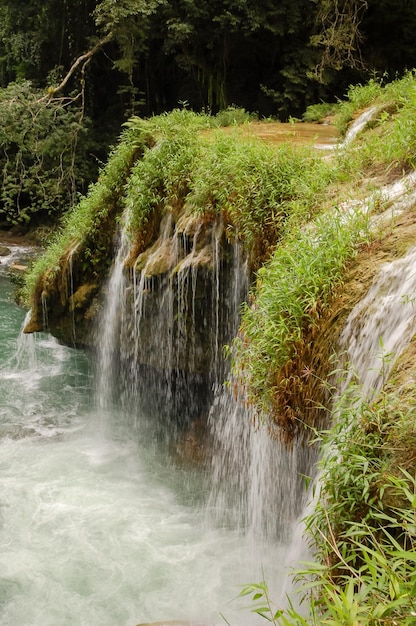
(257, 187)
(290, 291)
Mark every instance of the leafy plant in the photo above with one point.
(232, 116)
(262, 603)
(43, 154)
(318, 112)
(291, 290)
(256, 188)
(363, 527)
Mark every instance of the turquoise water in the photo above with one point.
(98, 526)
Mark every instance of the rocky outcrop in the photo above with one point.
(178, 294)
(64, 304)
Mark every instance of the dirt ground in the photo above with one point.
(274, 133)
(297, 132)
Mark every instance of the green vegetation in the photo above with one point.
(362, 531)
(291, 291)
(42, 157)
(389, 143)
(264, 194)
(262, 56)
(168, 161)
(257, 188)
(364, 523)
(363, 527)
(85, 226)
(251, 185)
(161, 178)
(71, 73)
(318, 112)
(293, 287)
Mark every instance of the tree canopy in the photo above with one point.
(258, 54)
(109, 59)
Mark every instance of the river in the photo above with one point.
(98, 525)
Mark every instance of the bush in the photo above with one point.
(232, 116)
(291, 290)
(318, 112)
(42, 160)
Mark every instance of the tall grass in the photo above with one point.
(254, 187)
(161, 178)
(257, 188)
(358, 97)
(166, 162)
(364, 525)
(291, 291)
(363, 529)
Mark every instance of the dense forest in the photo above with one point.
(71, 72)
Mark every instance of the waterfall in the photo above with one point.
(109, 323)
(260, 481)
(163, 328)
(165, 322)
(380, 326)
(359, 124)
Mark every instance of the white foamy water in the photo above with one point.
(95, 534)
(99, 526)
(359, 124)
(381, 324)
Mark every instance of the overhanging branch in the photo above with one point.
(81, 61)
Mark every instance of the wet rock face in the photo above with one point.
(180, 306)
(67, 298)
(183, 299)
(65, 305)
(69, 315)
(177, 305)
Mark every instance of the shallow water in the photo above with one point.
(97, 525)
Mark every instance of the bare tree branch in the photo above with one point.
(82, 61)
(339, 35)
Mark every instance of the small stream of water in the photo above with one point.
(380, 326)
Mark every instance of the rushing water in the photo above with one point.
(97, 525)
(380, 326)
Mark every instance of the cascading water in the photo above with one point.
(162, 337)
(259, 481)
(101, 527)
(380, 326)
(109, 326)
(359, 124)
(169, 325)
